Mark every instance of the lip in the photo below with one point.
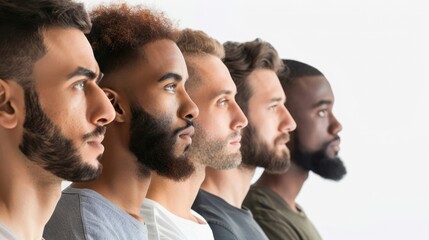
(187, 134)
(236, 140)
(96, 142)
(335, 145)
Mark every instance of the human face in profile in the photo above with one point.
(316, 143)
(161, 126)
(264, 140)
(66, 111)
(218, 127)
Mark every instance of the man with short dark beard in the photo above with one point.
(52, 119)
(314, 147)
(167, 209)
(145, 75)
(253, 67)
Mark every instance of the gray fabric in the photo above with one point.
(226, 221)
(6, 234)
(85, 214)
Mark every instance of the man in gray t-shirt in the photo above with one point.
(79, 213)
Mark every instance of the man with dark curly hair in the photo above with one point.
(253, 66)
(145, 75)
(52, 119)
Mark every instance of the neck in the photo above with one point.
(28, 195)
(231, 185)
(287, 185)
(120, 181)
(162, 188)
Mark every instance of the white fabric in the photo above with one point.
(164, 225)
(6, 234)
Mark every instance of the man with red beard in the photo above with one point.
(314, 147)
(145, 75)
(52, 111)
(253, 67)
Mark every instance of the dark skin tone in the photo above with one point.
(310, 101)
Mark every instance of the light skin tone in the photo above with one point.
(267, 113)
(70, 97)
(310, 101)
(220, 119)
(157, 83)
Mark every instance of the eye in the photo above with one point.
(170, 87)
(222, 102)
(80, 85)
(273, 108)
(322, 113)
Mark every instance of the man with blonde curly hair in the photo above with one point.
(216, 143)
(145, 75)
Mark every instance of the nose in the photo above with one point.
(287, 123)
(188, 109)
(100, 110)
(335, 126)
(239, 120)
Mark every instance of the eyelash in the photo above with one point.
(80, 85)
(223, 102)
(272, 108)
(172, 85)
(322, 113)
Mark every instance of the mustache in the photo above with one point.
(283, 137)
(333, 140)
(99, 130)
(178, 130)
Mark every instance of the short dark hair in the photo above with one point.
(197, 43)
(295, 70)
(119, 31)
(242, 59)
(21, 29)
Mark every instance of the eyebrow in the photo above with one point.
(322, 102)
(224, 92)
(80, 71)
(175, 76)
(276, 99)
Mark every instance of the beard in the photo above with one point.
(257, 153)
(319, 162)
(44, 144)
(152, 142)
(213, 152)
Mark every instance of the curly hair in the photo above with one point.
(242, 59)
(22, 23)
(119, 31)
(197, 43)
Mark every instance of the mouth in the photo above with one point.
(96, 142)
(187, 134)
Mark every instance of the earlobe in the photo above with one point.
(8, 117)
(114, 99)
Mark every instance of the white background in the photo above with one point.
(375, 54)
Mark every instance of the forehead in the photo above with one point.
(213, 74)
(310, 90)
(67, 49)
(162, 57)
(265, 85)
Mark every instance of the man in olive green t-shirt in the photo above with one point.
(314, 146)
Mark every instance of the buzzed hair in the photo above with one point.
(294, 70)
(197, 43)
(242, 59)
(22, 23)
(120, 31)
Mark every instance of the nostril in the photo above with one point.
(189, 117)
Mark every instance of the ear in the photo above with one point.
(114, 99)
(8, 105)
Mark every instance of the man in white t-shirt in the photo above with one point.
(167, 207)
